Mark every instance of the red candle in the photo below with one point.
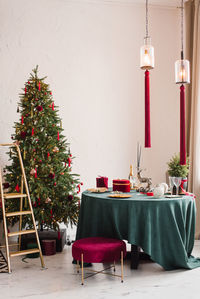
(182, 126)
(147, 111)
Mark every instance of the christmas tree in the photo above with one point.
(46, 157)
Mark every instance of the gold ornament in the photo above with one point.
(32, 172)
(55, 149)
(48, 200)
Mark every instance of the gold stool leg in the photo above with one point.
(122, 268)
(114, 266)
(82, 275)
(78, 266)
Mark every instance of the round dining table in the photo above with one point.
(163, 227)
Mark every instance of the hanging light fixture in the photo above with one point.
(182, 76)
(147, 63)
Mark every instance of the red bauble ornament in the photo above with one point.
(48, 155)
(39, 203)
(52, 175)
(23, 134)
(55, 184)
(6, 185)
(70, 197)
(29, 82)
(69, 161)
(81, 183)
(36, 99)
(50, 93)
(39, 108)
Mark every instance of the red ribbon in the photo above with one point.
(48, 155)
(39, 87)
(53, 106)
(22, 120)
(17, 188)
(32, 133)
(182, 126)
(36, 173)
(25, 90)
(58, 137)
(147, 111)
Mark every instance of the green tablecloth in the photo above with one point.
(163, 228)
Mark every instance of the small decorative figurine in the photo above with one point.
(142, 180)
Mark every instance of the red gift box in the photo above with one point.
(121, 185)
(102, 181)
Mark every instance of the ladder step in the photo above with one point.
(14, 195)
(18, 213)
(21, 232)
(23, 252)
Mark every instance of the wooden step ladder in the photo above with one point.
(20, 213)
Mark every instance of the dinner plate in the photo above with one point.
(98, 190)
(119, 195)
(173, 196)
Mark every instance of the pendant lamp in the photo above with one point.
(147, 63)
(182, 76)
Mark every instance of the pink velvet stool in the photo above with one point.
(99, 250)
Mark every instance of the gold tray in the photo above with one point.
(97, 190)
(119, 195)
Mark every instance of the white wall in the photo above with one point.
(90, 52)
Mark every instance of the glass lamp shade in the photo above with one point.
(147, 55)
(182, 71)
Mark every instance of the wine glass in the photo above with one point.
(171, 184)
(177, 182)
